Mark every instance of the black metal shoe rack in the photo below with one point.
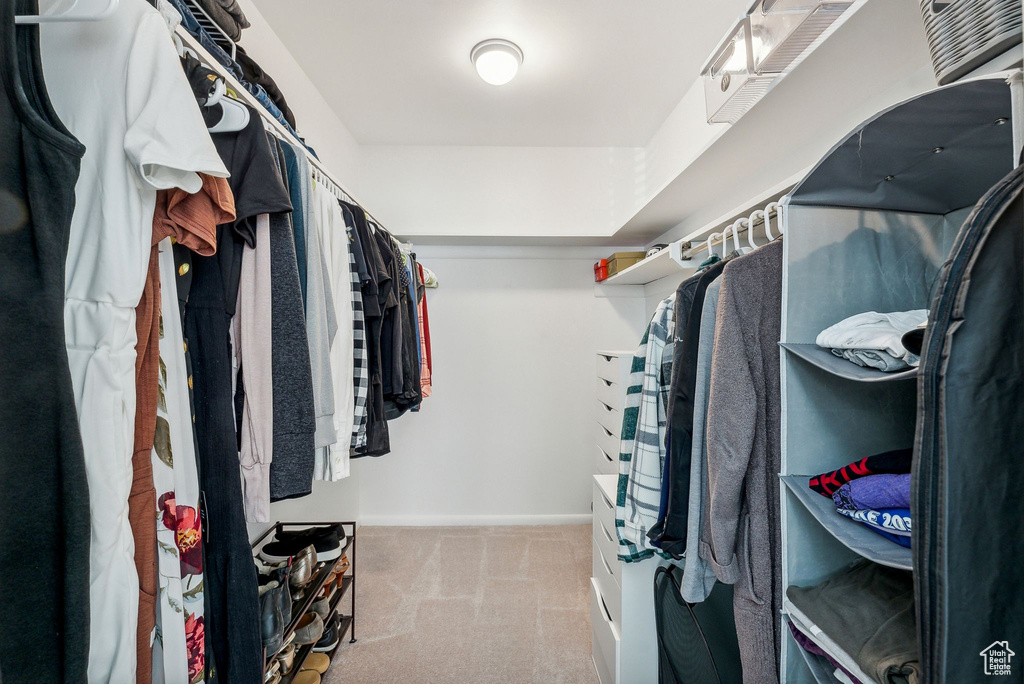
(301, 606)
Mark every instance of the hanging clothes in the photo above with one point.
(320, 314)
(232, 611)
(191, 221)
(253, 348)
(375, 290)
(673, 530)
(642, 453)
(44, 535)
(333, 464)
(291, 471)
(743, 545)
(698, 576)
(360, 353)
(426, 374)
(128, 100)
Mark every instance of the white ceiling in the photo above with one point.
(600, 73)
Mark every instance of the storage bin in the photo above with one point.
(620, 261)
(964, 34)
(782, 29)
(731, 86)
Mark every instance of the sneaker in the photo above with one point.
(328, 542)
(329, 641)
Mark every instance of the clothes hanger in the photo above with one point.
(736, 234)
(234, 116)
(751, 222)
(767, 219)
(80, 10)
(707, 244)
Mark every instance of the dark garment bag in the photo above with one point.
(969, 456)
(696, 641)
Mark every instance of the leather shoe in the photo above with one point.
(309, 630)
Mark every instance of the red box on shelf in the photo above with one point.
(600, 270)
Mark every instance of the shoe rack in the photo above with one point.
(301, 606)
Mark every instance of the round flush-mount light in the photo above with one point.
(496, 60)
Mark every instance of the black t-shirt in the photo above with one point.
(258, 188)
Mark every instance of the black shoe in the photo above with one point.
(329, 641)
(328, 542)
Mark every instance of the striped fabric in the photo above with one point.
(642, 451)
(361, 362)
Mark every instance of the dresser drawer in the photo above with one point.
(611, 592)
(610, 417)
(608, 441)
(609, 366)
(604, 462)
(607, 542)
(604, 639)
(610, 392)
(604, 508)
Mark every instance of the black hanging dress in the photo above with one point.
(44, 505)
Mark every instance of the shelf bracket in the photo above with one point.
(675, 252)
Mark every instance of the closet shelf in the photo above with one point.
(850, 533)
(812, 632)
(819, 666)
(660, 265)
(830, 363)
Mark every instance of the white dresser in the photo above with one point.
(624, 638)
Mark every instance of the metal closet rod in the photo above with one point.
(717, 238)
(207, 59)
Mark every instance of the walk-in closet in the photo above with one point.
(511, 342)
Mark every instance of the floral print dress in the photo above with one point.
(178, 650)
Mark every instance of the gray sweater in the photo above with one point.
(741, 536)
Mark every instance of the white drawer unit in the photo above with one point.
(610, 385)
(624, 639)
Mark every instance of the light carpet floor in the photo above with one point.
(470, 605)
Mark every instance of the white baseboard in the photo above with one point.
(472, 520)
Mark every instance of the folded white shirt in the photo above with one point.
(873, 331)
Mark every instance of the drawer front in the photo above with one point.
(604, 510)
(604, 462)
(609, 367)
(610, 392)
(610, 417)
(606, 541)
(608, 441)
(611, 593)
(604, 639)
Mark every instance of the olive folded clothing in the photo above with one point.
(867, 610)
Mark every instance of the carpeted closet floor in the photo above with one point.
(470, 605)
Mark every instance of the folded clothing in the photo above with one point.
(254, 73)
(879, 360)
(878, 333)
(894, 462)
(805, 643)
(875, 491)
(892, 520)
(867, 610)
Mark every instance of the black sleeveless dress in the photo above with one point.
(44, 499)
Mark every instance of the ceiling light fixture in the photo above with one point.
(496, 60)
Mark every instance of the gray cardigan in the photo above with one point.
(741, 536)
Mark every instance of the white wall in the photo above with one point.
(508, 435)
(503, 191)
(316, 121)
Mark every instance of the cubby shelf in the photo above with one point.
(852, 534)
(830, 363)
